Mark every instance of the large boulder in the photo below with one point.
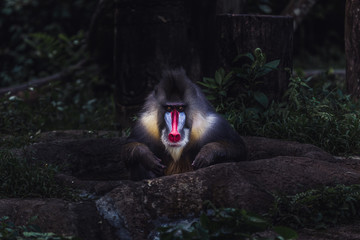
(59, 216)
(132, 210)
(140, 206)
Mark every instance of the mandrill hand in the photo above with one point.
(208, 155)
(152, 163)
(149, 161)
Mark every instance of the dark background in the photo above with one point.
(318, 41)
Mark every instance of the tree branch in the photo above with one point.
(94, 19)
(42, 81)
(64, 74)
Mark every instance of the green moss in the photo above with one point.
(318, 208)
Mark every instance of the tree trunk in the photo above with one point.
(239, 34)
(352, 47)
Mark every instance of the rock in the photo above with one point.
(90, 159)
(263, 148)
(99, 158)
(62, 217)
(134, 209)
(248, 185)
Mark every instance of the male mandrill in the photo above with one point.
(179, 131)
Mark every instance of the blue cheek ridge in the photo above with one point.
(167, 118)
(181, 123)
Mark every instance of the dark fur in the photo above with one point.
(146, 154)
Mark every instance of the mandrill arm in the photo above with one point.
(218, 152)
(139, 154)
(220, 143)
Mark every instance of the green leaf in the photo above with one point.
(262, 99)
(208, 85)
(208, 80)
(265, 8)
(263, 72)
(273, 64)
(222, 93)
(38, 234)
(228, 77)
(248, 55)
(286, 233)
(219, 76)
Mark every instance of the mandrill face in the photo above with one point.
(174, 134)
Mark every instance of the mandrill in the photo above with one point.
(179, 131)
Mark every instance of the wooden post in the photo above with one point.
(242, 33)
(352, 47)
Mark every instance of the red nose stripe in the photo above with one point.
(174, 135)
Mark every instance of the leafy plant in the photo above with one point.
(257, 68)
(20, 178)
(223, 90)
(218, 87)
(10, 231)
(318, 208)
(311, 113)
(59, 52)
(225, 223)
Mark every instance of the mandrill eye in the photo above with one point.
(168, 108)
(180, 108)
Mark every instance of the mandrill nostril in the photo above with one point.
(174, 137)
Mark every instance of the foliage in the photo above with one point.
(247, 78)
(259, 6)
(315, 208)
(73, 105)
(20, 178)
(25, 25)
(46, 46)
(10, 231)
(226, 223)
(320, 114)
(318, 208)
(60, 51)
